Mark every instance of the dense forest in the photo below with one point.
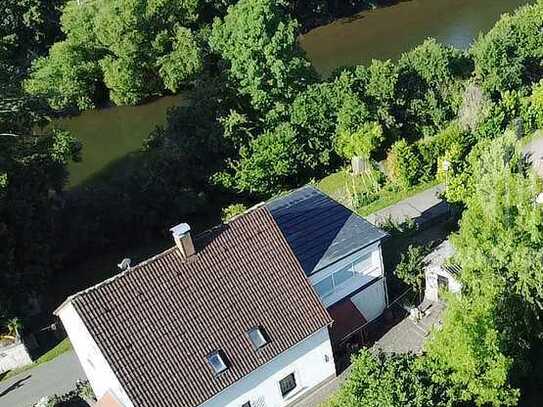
(262, 121)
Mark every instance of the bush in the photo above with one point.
(77, 397)
(404, 164)
(360, 143)
(379, 380)
(396, 228)
(536, 104)
(411, 267)
(232, 210)
(431, 149)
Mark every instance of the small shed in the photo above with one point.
(440, 273)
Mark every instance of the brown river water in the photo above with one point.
(110, 134)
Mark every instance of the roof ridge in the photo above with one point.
(153, 258)
(113, 278)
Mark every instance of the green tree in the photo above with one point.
(67, 77)
(387, 381)
(361, 143)
(32, 174)
(133, 48)
(467, 356)
(183, 63)
(489, 331)
(27, 28)
(257, 39)
(509, 56)
(314, 116)
(268, 164)
(411, 267)
(429, 82)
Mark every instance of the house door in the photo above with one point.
(442, 284)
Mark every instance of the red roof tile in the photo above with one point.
(157, 322)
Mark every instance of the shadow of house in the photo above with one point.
(19, 383)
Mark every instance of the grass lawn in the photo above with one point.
(337, 185)
(64, 346)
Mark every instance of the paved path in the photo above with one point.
(409, 335)
(55, 377)
(422, 207)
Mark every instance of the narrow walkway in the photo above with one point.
(422, 208)
(409, 335)
(55, 377)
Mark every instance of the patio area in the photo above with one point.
(411, 332)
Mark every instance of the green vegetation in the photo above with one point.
(261, 121)
(343, 187)
(78, 396)
(411, 268)
(133, 48)
(64, 346)
(388, 381)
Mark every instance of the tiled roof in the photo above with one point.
(320, 230)
(157, 322)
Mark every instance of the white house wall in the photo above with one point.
(311, 361)
(432, 287)
(371, 302)
(94, 364)
(359, 280)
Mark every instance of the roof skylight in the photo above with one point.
(217, 361)
(257, 337)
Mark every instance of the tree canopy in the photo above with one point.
(125, 50)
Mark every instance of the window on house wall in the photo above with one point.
(442, 283)
(287, 384)
(325, 287)
(362, 264)
(328, 285)
(343, 275)
(246, 404)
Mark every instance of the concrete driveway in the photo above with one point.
(55, 377)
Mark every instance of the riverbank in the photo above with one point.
(112, 133)
(387, 32)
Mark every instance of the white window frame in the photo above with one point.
(367, 258)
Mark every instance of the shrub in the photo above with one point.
(431, 149)
(404, 164)
(379, 380)
(411, 267)
(74, 398)
(396, 228)
(232, 210)
(360, 143)
(536, 104)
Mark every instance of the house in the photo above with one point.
(340, 253)
(243, 315)
(440, 273)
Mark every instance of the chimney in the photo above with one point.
(181, 236)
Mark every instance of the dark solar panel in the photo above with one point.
(319, 230)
